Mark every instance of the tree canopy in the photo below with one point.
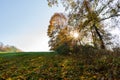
(90, 19)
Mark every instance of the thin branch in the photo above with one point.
(82, 26)
(100, 10)
(116, 15)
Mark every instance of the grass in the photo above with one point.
(52, 66)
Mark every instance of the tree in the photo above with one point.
(7, 48)
(90, 17)
(57, 23)
(1, 46)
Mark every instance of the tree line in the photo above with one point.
(8, 48)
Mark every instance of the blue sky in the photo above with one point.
(24, 23)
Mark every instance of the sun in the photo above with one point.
(75, 35)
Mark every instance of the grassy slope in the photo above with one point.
(51, 66)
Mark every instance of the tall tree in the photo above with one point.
(89, 16)
(57, 22)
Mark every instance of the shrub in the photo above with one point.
(63, 49)
(86, 49)
(116, 50)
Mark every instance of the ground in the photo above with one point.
(53, 66)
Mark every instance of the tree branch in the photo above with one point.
(100, 37)
(101, 9)
(116, 15)
(83, 25)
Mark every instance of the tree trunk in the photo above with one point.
(94, 40)
(102, 45)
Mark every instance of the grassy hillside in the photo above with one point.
(52, 66)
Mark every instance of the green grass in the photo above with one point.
(52, 66)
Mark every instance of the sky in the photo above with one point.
(24, 23)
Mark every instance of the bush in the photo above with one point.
(63, 49)
(76, 49)
(116, 50)
(85, 49)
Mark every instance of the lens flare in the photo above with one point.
(75, 35)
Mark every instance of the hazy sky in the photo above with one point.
(24, 23)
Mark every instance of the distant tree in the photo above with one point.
(90, 17)
(7, 48)
(1, 46)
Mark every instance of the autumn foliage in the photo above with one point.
(88, 18)
(97, 65)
